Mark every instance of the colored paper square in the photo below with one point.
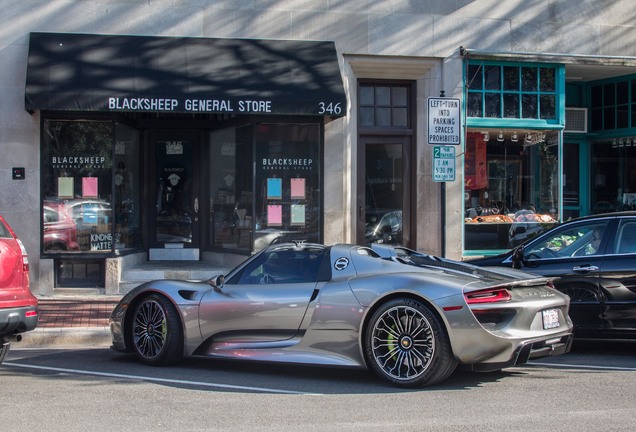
(89, 187)
(274, 215)
(298, 188)
(89, 214)
(274, 188)
(298, 214)
(65, 187)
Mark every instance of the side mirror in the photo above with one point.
(517, 258)
(216, 282)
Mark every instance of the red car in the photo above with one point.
(18, 307)
(60, 230)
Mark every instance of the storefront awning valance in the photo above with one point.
(80, 72)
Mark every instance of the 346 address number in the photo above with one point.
(330, 108)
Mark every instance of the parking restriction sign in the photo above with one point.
(443, 163)
(444, 121)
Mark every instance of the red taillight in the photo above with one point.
(31, 313)
(491, 295)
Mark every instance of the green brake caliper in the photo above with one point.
(392, 344)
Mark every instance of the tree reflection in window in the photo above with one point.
(500, 90)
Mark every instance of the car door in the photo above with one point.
(575, 254)
(266, 301)
(618, 281)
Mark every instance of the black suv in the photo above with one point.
(594, 260)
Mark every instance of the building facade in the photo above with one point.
(204, 130)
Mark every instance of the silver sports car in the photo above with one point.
(409, 317)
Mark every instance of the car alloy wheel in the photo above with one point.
(156, 331)
(407, 346)
(581, 295)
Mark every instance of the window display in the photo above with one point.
(78, 181)
(266, 190)
(231, 216)
(127, 184)
(287, 183)
(77, 173)
(174, 220)
(511, 187)
(613, 175)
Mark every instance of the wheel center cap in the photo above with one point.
(150, 329)
(406, 342)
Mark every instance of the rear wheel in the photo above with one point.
(157, 335)
(407, 345)
(581, 295)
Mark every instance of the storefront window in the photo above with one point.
(231, 219)
(614, 175)
(127, 184)
(611, 105)
(78, 176)
(511, 187)
(287, 183)
(265, 185)
(77, 186)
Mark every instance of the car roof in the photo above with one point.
(627, 213)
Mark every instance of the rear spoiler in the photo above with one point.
(414, 258)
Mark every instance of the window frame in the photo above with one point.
(599, 108)
(519, 121)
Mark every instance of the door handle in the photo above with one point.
(196, 205)
(585, 269)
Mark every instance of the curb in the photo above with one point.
(94, 337)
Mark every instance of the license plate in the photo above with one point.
(551, 318)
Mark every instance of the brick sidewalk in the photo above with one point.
(75, 312)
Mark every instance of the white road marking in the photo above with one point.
(573, 366)
(159, 380)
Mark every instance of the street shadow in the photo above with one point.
(214, 375)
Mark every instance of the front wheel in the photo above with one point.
(157, 335)
(406, 345)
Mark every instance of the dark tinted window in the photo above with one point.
(286, 265)
(4, 232)
(626, 237)
(582, 239)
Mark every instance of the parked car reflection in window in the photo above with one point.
(384, 227)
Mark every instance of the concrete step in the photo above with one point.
(154, 270)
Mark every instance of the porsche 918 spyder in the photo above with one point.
(409, 317)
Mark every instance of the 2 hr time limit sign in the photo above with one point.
(444, 122)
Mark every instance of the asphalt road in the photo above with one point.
(591, 389)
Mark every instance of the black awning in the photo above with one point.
(80, 72)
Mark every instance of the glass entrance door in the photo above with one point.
(575, 180)
(384, 191)
(175, 213)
